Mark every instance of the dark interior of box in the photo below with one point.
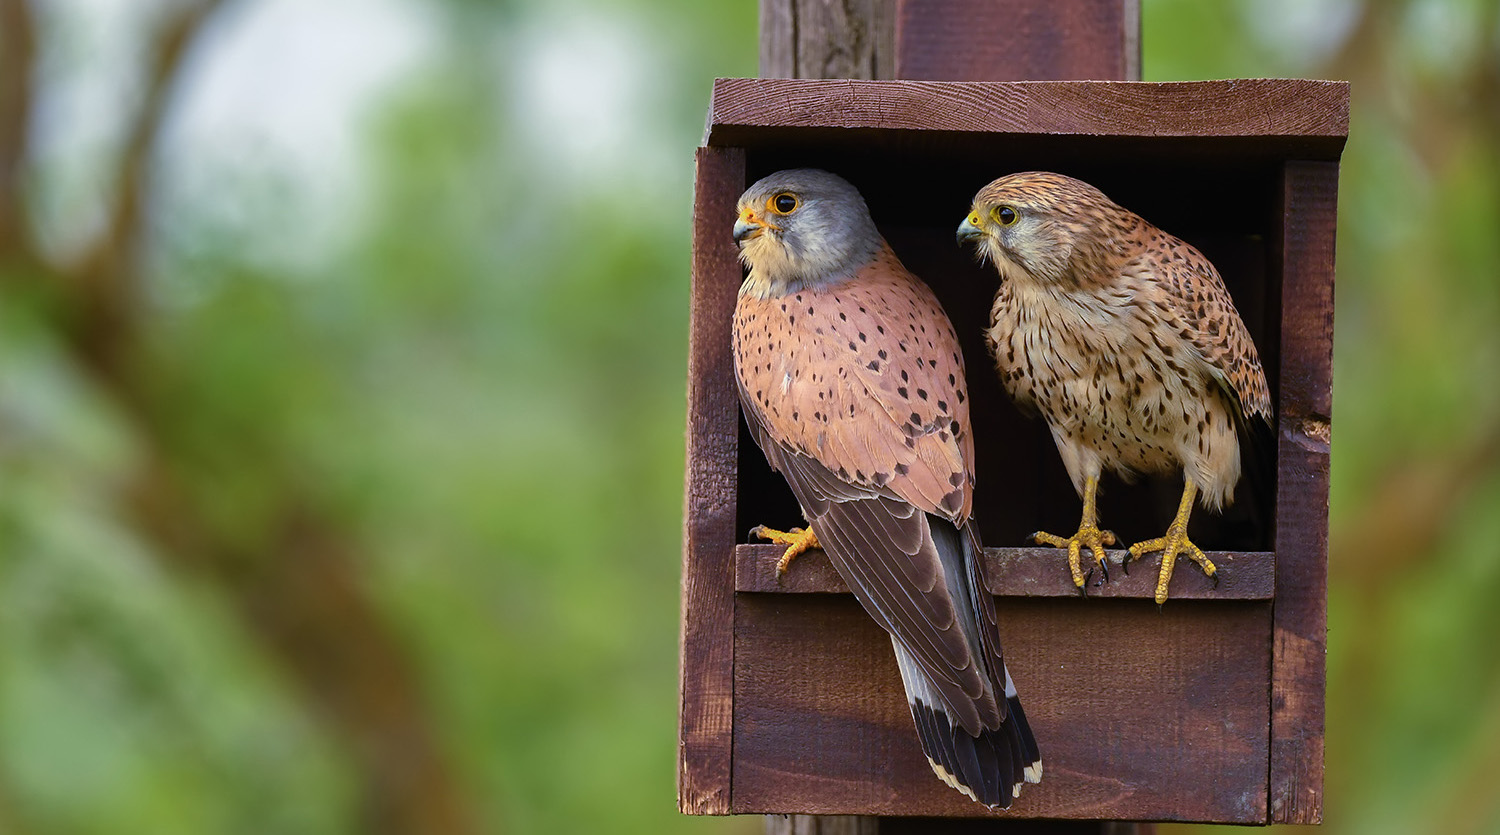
(1218, 195)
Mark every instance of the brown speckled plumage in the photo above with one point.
(1122, 336)
(852, 384)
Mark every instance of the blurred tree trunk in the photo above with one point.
(297, 585)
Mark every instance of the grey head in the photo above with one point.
(802, 228)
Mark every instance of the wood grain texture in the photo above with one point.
(1029, 572)
(827, 38)
(1304, 119)
(707, 660)
(1140, 715)
(778, 39)
(1306, 248)
(981, 40)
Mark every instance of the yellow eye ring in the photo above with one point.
(1005, 215)
(783, 203)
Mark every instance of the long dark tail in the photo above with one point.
(992, 765)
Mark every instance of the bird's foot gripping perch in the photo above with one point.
(796, 541)
(1175, 543)
(1088, 536)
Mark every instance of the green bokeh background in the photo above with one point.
(473, 387)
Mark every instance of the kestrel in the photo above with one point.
(1126, 341)
(853, 385)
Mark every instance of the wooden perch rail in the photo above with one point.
(1031, 572)
(1141, 714)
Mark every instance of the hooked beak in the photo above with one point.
(969, 230)
(748, 226)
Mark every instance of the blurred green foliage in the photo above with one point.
(478, 383)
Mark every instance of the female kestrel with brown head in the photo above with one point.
(1126, 341)
(853, 385)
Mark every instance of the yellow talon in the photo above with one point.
(1174, 543)
(1088, 534)
(797, 540)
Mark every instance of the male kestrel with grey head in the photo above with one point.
(1126, 341)
(853, 386)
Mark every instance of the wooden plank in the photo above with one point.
(848, 39)
(1306, 247)
(981, 40)
(707, 663)
(1309, 118)
(1030, 572)
(1139, 714)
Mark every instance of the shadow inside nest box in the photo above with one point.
(1225, 207)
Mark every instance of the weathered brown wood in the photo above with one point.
(778, 39)
(827, 39)
(981, 40)
(1296, 118)
(1140, 714)
(707, 662)
(1306, 246)
(1029, 572)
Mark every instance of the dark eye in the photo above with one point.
(784, 203)
(1005, 215)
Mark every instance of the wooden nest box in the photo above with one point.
(1209, 709)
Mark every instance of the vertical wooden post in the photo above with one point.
(713, 433)
(948, 40)
(1034, 40)
(1305, 246)
(824, 39)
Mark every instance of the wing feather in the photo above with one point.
(883, 548)
(1214, 327)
